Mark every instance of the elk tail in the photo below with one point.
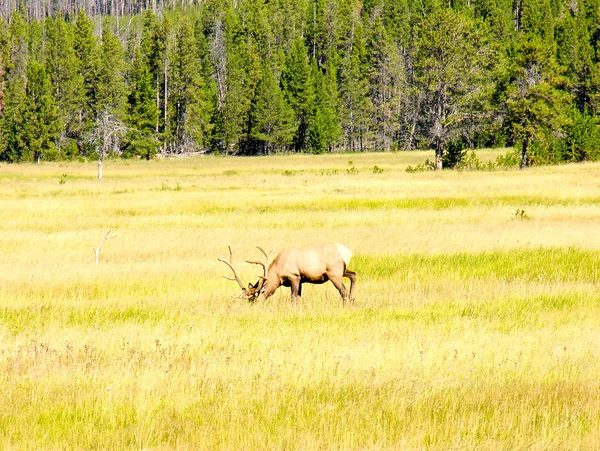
(345, 253)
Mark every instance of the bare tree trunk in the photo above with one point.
(100, 158)
(166, 103)
(524, 151)
(438, 157)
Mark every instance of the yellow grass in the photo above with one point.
(475, 327)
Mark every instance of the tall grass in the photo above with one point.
(474, 327)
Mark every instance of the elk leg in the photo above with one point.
(352, 276)
(337, 281)
(296, 287)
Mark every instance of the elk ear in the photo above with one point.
(250, 286)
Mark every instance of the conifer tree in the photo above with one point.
(140, 138)
(155, 36)
(111, 92)
(452, 63)
(537, 99)
(576, 54)
(67, 81)
(42, 127)
(356, 105)
(298, 88)
(385, 82)
(271, 118)
(241, 61)
(191, 108)
(4, 59)
(86, 52)
(324, 128)
(14, 123)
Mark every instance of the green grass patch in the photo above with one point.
(542, 264)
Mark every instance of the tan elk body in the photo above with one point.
(294, 266)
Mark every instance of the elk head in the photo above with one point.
(252, 291)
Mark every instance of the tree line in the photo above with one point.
(262, 76)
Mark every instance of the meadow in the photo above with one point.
(475, 325)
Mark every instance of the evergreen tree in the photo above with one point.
(324, 128)
(356, 106)
(238, 71)
(111, 92)
(43, 127)
(452, 62)
(67, 82)
(30, 125)
(18, 52)
(86, 54)
(191, 108)
(576, 54)
(155, 36)
(298, 89)
(537, 99)
(4, 58)
(271, 118)
(14, 123)
(140, 138)
(385, 82)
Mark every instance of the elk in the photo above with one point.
(294, 266)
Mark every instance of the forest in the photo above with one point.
(136, 78)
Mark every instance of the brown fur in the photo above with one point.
(312, 264)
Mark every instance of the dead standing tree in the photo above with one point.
(105, 134)
(97, 249)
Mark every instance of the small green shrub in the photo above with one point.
(509, 160)
(470, 162)
(423, 167)
(520, 215)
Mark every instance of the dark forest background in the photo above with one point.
(139, 77)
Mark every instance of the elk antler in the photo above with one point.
(264, 265)
(235, 277)
(267, 257)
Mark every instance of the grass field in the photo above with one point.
(475, 325)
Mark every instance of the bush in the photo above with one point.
(455, 152)
(470, 162)
(510, 159)
(427, 166)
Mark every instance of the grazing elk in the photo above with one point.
(294, 266)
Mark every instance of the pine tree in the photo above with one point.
(238, 71)
(111, 91)
(191, 108)
(576, 54)
(271, 118)
(30, 124)
(356, 106)
(86, 54)
(4, 58)
(324, 128)
(385, 83)
(452, 67)
(155, 37)
(298, 88)
(67, 83)
(537, 99)
(14, 124)
(43, 126)
(142, 113)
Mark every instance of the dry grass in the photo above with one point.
(475, 326)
